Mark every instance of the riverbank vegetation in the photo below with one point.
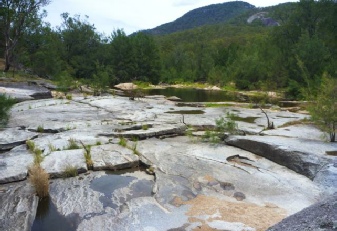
(291, 57)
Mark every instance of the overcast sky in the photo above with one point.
(131, 15)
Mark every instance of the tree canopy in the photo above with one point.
(290, 57)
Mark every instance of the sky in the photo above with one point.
(131, 15)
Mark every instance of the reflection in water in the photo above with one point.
(187, 112)
(194, 95)
(48, 218)
(107, 185)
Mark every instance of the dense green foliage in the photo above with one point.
(5, 104)
(207, 15)
(324, 107)
(290, 57)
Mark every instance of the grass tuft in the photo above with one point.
(122, 141)
(70, 171)
(40, 129)
(30, 145)
(39, 178)
(72, 144)
(87, 156)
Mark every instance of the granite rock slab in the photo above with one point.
(18, 206)
(113, 157)
(14, 164)
(56, 163)
(12, 137)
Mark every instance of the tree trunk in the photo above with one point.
(7, 61)
(333, 133)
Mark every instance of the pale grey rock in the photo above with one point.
(12, 137)
(14, 164)
(55, 163)
(113, 157)
(303, 131)
(126, 86)
(24, 91)
(306, 157)
(327, 178)
(18, 206)
(186, 169)
(153, 130)
(173, 98)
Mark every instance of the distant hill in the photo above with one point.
(208, 15)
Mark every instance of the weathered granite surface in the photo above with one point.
(12, 137)
(196, 185)
(23, 91)
(14, 164)
(56, 163)
(321, 216)
(18, 206)
(113, 157)
(303, 156)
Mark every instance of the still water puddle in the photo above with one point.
(136, 183)
(187, 112)
(48, 218)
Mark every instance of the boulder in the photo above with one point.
(321, 216)
(126, 86)
(173, 98)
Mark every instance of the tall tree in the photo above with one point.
(81, 45)
(15, 15)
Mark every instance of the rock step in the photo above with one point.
(306, 157)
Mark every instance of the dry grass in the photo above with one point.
(40, 180)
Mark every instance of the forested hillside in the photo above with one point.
(292, 57)
(208, 15)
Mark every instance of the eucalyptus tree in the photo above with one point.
(81, 44)
(15, 17)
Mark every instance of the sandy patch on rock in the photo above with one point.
(252, 215)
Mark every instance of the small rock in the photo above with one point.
(173, 98)
(239, 196)
(126, 86)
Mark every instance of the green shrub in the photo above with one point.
(69, 97)
(5, 105)
(222, 125)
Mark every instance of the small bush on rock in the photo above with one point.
(5, 105)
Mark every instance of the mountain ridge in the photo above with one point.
(206, 15)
